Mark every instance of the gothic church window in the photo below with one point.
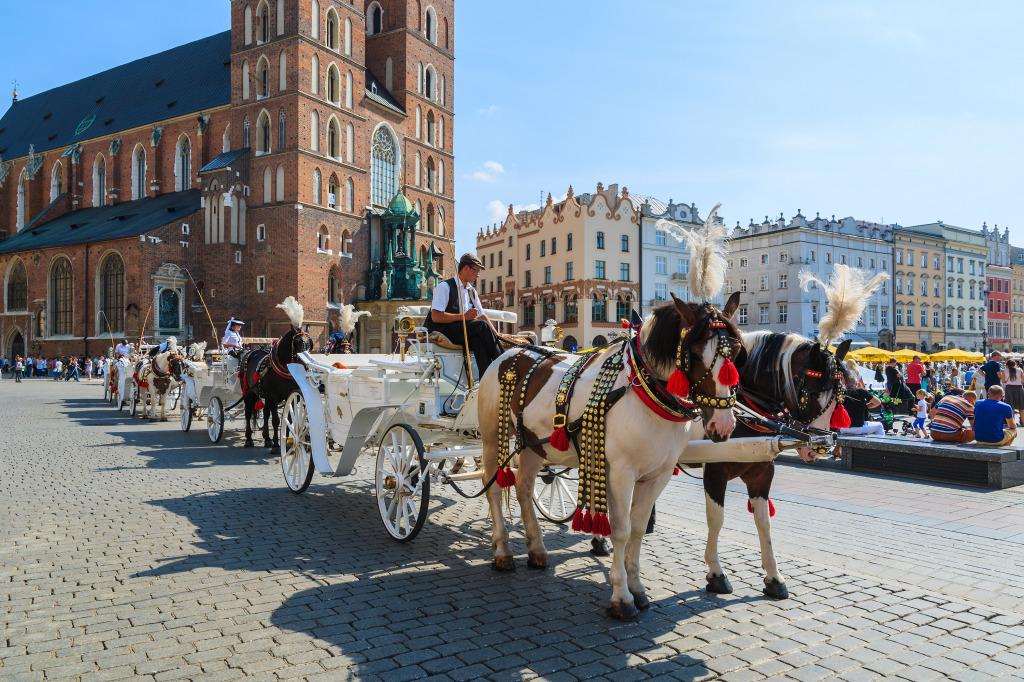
(333, 85)
(112, 295)
(248, 25)
(99, 181)
(264, 19)
(282, 131)
(376, 23)
(139, 173)
(384, 155)
(17, 287)
(333, 141)
(349, 143)
(350, 199)
(245, 80)
(60, 298)
(317, 186)
(22, 199)
(348, 36)
(332, 30)
(263, 133)
(245, 132)
(183, 164)
(56, 181)
(348, 89)
(262, 78)
(315, 15)
(314, 132)
(282, 72)
(314, 84)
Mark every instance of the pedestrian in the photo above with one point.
(58, 366)
(993, 419)
(896, 386)
(19, 369)
(854, 371)
(41, 366)
(914, 372)
(949, 417)
(991, 370)
(922, 413)
(1013, 381)
(88, 368)
(72, 369)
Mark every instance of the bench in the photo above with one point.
(976, 465)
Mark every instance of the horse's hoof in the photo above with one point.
(276, 450)
(719, 584)
(775, 589)
(640, 600)
(599, 546)
(268, 444)
(163, 419)
(152, 420)
(504, 563)
(537, 561)
(249, 444)
(620, 611)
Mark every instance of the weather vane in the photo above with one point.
(15, 84)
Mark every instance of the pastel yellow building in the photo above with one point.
(919, 289)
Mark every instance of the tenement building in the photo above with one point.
(257, 163)
(766, 259)
(1017, 299)
(998, 276)
(919, 289)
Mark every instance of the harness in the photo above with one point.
(282, 371)
(679, 384)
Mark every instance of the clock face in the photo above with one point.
(84, 125)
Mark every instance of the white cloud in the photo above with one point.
(498, 209)
(487, 111)
(488, 172)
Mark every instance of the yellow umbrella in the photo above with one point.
(869, 354)
(906, 355)
(956, 355)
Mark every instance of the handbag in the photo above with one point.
(878, 375)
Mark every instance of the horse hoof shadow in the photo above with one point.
(719, 584)
(640, 600)
(623, 612)
(503, 563)
(276, 450)
(775, 589)
(249, 444)
(163, 419)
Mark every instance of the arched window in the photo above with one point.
(264, 18)
(282, 72)
(419, 77)
(430, 25)
(416, 173)
(262, 78)
(446, 33)
(280, 17)
(314, 76)
(17, 287)
(346, 242)
(280, 183)
(333, 85)
(549, 309)
(431, 178)
(350, 137)
(317, 186)
(333, 139)
(348, 89)
(333, 294)
(348, 36)
(375, 16)
(22, 201)
(245, 132)
(263, 133)
(430, 127)
(622, 306)
(282, 131)
(419, 123)
(332, 192)
(571, 309)
(428, 83)
(61, 291)
(350, 198)
(384, 155)
(111, 295)
(183, 164)
(139, 173)
(238, 217)
(56, 181)
(599, 312)
(440, 224)
(248, 25)
(430, 218)
(99, 181)
(268, 185)
(314, 132)
(440, 177)
(226, 143)
(245, 80)
(315, 16)
(443, 90)
(389, 74)
(323, 239)
(332, 29)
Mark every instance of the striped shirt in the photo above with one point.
(950, 414)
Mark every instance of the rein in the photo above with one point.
(282, 370)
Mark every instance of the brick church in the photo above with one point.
(305, 152)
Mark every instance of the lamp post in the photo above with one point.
(984, 342)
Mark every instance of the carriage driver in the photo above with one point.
(444, 314)
(123, 349)
(232, 339)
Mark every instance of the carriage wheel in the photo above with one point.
(555, 496)
(106, 390)
(215, 419)
(133, 400)
(119, 399)
(186, 414)
(296, 455)
(400, 468)
(176, 395)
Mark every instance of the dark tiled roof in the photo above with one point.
(224, 160)
(376, 91)
(127, 219)
(182, 80)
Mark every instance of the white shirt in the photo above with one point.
(470, 299)
(123, 349)
(231, 338)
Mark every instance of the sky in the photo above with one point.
(884, 110)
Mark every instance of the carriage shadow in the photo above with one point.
(433, 602)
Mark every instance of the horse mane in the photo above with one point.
(770, 354)
(349, 317)
(172, 343)
(659, 335)
(293, 309)
(847, 293)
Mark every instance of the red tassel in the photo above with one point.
(728, 376)
(135, 376)
(510, 477)
(560, 439)
(678, 384)
(577, 521)
(625, 324)
(259, 405)
(588, 523)
(675, 472)
(771, 507)
(601, 525)
(840, 418)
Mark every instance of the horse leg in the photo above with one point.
(487, 410)
(759, 483)
(716, 478)
(621, 481)
(249, 400)
(644, 495)
(270, 413)
(526, 476)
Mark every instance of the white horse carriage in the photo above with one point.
(416, 412)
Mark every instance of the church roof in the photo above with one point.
(185, 79)
(376, 92)
(224, 160)
(127, 219)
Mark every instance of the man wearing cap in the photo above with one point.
(446, 314)
(232, 339)
(123, 348)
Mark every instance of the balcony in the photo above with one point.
(679, 276)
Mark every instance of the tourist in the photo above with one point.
(949, 416)
(991, 370)
(993, 419)
(19, 369)
(88, 368)
(854, 371)
(72, 369)
(858, 401)
(895, 385)
(922, 413)
(41, 366)
(915, 370)
(948, 388)
(58, 367)
(1013, 381)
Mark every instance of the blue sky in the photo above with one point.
(905, 112)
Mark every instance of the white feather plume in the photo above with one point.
(847, 295)
(708, 253)
(293, 309)
(197, 350)
(172, 343)
(349, 317)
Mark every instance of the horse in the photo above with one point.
(159, 375)
(266, 381)
(786, 377)
(117, 369)
(643, 441)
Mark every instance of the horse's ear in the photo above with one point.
(731, 305)
(689, 319)
(843, 349)
(814, 355)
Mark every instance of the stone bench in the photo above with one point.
(970, 464)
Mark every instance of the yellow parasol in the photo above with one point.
(957, 355)
(906, 355)
(869, 354)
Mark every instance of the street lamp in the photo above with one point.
(984, 342)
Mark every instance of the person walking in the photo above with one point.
(19, 369)
(72, 369)
(915, 370)
(1013, 382)
(58, 368)
(88, 368)
(991, 370)
(993, 419)
(949, 417)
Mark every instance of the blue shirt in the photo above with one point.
(991, 370)
(990, 420)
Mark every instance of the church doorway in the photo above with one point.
(17, 346)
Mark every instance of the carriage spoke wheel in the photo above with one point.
(133, 400)
(186, 413)
(401, 468)
(215, 419)
(297, 453)
(555, 496)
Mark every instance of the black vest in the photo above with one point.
(452, 307)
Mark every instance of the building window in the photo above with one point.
(783, 313)
(568, 245)
(937, 264)
(814, 312)
(659, 238)
(910, 316)
(112, 293)
(282, 131)
(885, 317)
(959, 320)
(743, 283)
(61, 292)
(543, 248)
(960, 265)
(625, 242)
(99, 182)
(936, 318)
(599, 311)
(571, 309)
(764, 283)
(660, 292)
(509, 267)
(741, 315)
(910, 286)
(528, 251)
(811, 257)
(317, 186)
(972, 267)
(783, 256)
(764, 259)
(528, 279)
(17, 287)
(860, 262)
(622, 308)
(261, 284)
(384, 156)
(568, 270)
(547, 274)
(729, 262)
(600, 240)
(899, 258)
(139, 174)
(871, 316)
(660, 265)
(743, 262)
(899, 316)
(764, 314)
(261, 233)
(783, 281)
(872, 261)
(959, 290)
(184, 164)
(828, 256)
(623, 272)
(684, 266)
(599, 269)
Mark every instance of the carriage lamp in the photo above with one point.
(404, 325)
(551, 334)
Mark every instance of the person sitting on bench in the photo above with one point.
(445, 316)
(993, 419)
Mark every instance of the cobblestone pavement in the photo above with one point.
(132, 550)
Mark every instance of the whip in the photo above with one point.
(462, 313)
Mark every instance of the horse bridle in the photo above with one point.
(723, 349)
(283, 371)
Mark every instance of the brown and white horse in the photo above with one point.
(157, 375)
(786, 376)
(641, 447)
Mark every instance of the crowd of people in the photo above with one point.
(65, 367)
(948, 402)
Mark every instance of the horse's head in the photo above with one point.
(820, 385)
(292, 343)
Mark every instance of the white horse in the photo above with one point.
(156, 375)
